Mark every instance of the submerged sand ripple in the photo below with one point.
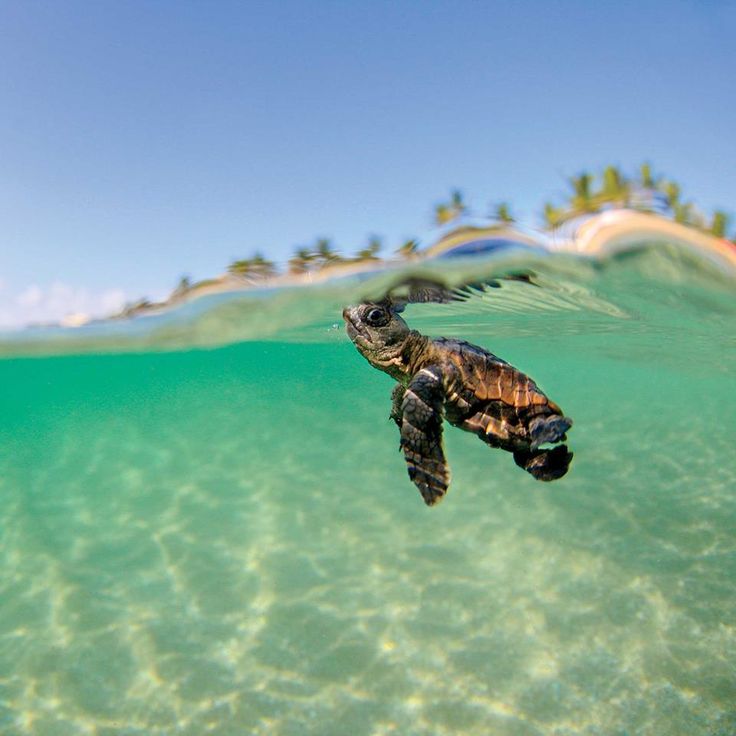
(232, 556)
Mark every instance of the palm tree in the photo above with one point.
(443, 214)
(256, 267)
(582, 200)
(239, 268)
(184, 286)
(448, 211)
(615, 187)
(672, 192)
(553, 216)
(261, 267)
(719, 224)
(301, 260)
(370, 252)
(457, 202)
(683, 212)
(502, 213)
(408, 249)
(325, 254)
(645, 176)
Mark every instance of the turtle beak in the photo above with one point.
(355, 331)
(350, 327)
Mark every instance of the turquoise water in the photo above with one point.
(224, 540)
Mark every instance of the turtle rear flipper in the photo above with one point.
(544, 464)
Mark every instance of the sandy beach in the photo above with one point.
(617, 230)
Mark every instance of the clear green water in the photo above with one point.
(224, 541)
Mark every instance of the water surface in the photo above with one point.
(206, 525)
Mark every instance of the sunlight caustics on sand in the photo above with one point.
(224, 541)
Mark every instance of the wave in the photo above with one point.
(648, 284)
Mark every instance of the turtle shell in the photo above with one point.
(488, 396)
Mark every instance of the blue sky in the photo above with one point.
(140, 141)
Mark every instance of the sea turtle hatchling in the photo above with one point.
(466, 385)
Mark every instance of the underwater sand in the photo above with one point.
(225, 541)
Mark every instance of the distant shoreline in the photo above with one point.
(596, 234)
(613, 229)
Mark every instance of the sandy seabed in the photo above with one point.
(195, 544)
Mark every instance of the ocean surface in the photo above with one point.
(206, 526)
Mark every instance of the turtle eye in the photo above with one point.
(376, 317)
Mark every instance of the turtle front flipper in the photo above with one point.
(397, 399)
(421, 434)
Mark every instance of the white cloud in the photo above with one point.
(30, 297)
(56, 303)
(112, 300)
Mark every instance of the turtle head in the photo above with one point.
(378, 332)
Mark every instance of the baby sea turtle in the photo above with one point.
(466, 385)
